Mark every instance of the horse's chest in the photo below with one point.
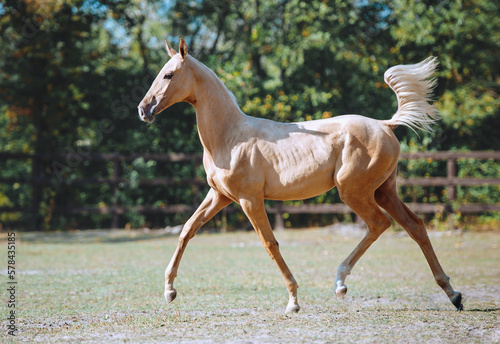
(234, 182)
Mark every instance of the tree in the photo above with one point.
(73, 72)
(67, 87)
(465, 36)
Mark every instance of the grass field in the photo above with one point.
(107, 287)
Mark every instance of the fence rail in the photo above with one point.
(451, 181)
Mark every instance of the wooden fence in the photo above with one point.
(451, 181)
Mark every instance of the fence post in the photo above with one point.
(37, 171)
(37, 192)
(115, 222)
(279, 223)
(451, 189)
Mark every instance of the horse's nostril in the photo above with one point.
(149, 107)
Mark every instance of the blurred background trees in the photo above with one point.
(72, 73)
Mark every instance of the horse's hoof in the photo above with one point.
(292, 308)
(457, 301)
(341, 291)
(170, 295)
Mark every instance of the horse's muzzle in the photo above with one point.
(147, 111)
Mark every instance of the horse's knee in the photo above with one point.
(184, 237)
(271, 245)
(272, 248)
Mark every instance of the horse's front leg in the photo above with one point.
(212, 204)
(255, 211)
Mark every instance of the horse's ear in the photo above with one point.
(183, 49)
(171, 51)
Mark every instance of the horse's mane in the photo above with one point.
(218, 80)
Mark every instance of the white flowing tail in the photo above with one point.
(413, 86)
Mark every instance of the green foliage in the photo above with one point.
(73, 72)
(465, 37)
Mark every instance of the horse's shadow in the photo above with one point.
(487, 310)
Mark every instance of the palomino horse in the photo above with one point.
(249, 159)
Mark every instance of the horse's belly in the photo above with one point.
(297, 186)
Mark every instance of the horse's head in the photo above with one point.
(171, 85)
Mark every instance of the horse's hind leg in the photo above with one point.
(387, 197)
(363, 204)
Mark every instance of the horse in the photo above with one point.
(249, 159)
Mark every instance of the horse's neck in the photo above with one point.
(217, 114)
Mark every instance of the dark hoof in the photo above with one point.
(457, 302)
(170, 295)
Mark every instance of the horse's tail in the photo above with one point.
(413, 86)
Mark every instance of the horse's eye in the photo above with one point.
(168, 76)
